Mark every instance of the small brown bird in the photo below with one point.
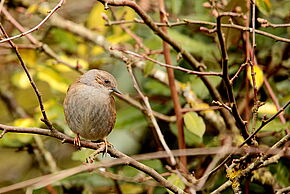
(89, 106)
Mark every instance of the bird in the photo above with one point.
(89, 106)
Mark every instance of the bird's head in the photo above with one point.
(100, 79)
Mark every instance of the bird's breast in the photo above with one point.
(91, 111)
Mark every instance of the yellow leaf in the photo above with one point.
(20, 80)
(129, 15)
(55, 80)
(24, 122)
(259, 76)
(72, 61)
(268, 108)
(115, 39)
(129, 188)
(28, 56)
(95, 20)
(32, 8)
(97, 50)
(20, 139)
(82, 50)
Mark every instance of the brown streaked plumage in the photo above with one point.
(89, 106)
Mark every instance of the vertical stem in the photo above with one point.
(174, 94)
(253, 51)
(239, 121)
(248, 57)
(252, 63)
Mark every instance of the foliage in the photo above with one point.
(133, 132)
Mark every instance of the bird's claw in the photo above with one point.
(77, 141)
(105, 143)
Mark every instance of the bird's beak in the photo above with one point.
(116, 91)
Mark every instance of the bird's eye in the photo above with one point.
(107, 81)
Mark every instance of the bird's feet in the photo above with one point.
(77, 141)
(105, 143)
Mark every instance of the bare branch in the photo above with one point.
(149, 112)
(37, 26)
(14, 47)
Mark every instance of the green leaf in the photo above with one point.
(194, 123)
(190, 138)
(198, 88)
(148, 68)
(199, 48)
(264, 6)
(82, 155)
(174, 179)
(282, 174)
(64, 39)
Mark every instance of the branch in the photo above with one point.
(251, 136)
(240, 123)
(88, 144)
(14, 47)
(254, 165)
(265, 24)
(79, 30)
(149, 112)
(177, 47)
(191, 22)
(265, 123)
(199, 73)
(37, 26)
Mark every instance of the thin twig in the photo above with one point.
(230, 155)
(265, 24)
(149, 112)
(275, 101)
(191, 22)
(14, 47)
(178, 48)
(239, 121)
(37, 26)
(171, 66)
(1, 5)
(238, 72)
(265, 122)
(254, 165)
(44, 47)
